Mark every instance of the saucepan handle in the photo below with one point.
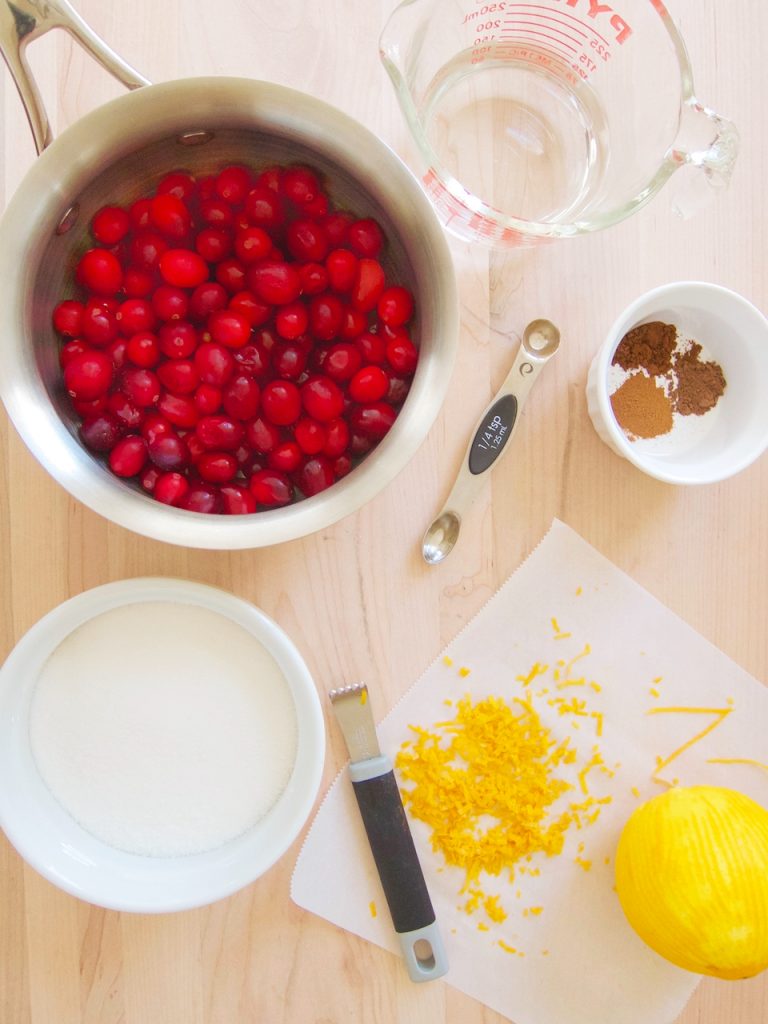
(21, 21)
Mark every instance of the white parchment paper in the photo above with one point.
(575, 960)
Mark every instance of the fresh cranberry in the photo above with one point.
(289, 359)
(322, 398)
(171, 488)
(231, 274)
(341, 265)
(178, 339)
(285, 456)
(135, 315)
(91, 407)
(214, 244)
(353, 323)
(300, 185)
(315, 475)
(110, 225)
(232, 184)
(219, 433)
(365, 237)
(336, 437)
(127, 413)
(256, 312)
(99, 271)
(402, 354)
(369, 384)
(170, 216)
(271, 488)
(264, 208)
(183, 268)
(314, 278)
(251, 244)
(177, 183)
(336, 225)
(202, 497)
(179, 376)
(373, 347)
(101, 432)
(342, 464)
(168, 452)
(217, 467)
(137, 283)
(253, 358)
(68, 318)
(373, 419)
(148, 478)
(237, 500)
(170, 303)
(395, 306)
(128, 456)
(240, 397)
(275, 281)
(155, 425)
(262, 435)
(270, 177)
(214, 363)
(310, 435)
(343, 361)
(216, 212)
(368, 286)
(99, 324)
(398, 390)
(88, 375)
(325, 313)
(143, 349)
(229, 328)
(139, 213)
(306, 240)
(208, 399)
(207, 298)
(140, 385)
(146, 249)
(179, 410)
(281, 402)
(73, 348)
(292, 320)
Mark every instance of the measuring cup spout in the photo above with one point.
(709, 144)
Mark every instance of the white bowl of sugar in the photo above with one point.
(161, 745)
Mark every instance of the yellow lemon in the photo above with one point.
(692, 878)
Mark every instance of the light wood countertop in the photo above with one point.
(356, 598)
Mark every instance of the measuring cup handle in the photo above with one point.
(22, 21)
(705, 149)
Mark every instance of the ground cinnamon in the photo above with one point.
(648, 347)
(699, 384)
(641, 407)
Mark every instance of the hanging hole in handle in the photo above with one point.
(425, 957)
(68, 220)
(197, 138)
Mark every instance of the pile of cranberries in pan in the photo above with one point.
(235, 344)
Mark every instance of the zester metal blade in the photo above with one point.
(355, 717)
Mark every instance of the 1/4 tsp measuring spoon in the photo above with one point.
(490, 437)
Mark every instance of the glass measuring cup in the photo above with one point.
(551, 118)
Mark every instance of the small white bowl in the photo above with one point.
(733, 333)
(53, 843)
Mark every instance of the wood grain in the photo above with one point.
(356, 598)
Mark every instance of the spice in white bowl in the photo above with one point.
(163, 729)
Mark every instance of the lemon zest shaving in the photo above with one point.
(720, 715)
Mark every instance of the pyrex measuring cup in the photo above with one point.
(551, 118)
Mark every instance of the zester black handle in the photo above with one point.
(394, 853)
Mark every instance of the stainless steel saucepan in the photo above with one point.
(117, 153)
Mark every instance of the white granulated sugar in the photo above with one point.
(164, 729)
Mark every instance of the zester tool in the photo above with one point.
(389, 836)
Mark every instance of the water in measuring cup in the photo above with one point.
(523, 138)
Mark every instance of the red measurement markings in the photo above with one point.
(572, 19)
(533, 28)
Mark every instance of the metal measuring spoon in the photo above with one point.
(491, 435)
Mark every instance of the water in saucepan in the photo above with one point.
(528, 140)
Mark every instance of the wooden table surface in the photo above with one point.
(356, 598)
